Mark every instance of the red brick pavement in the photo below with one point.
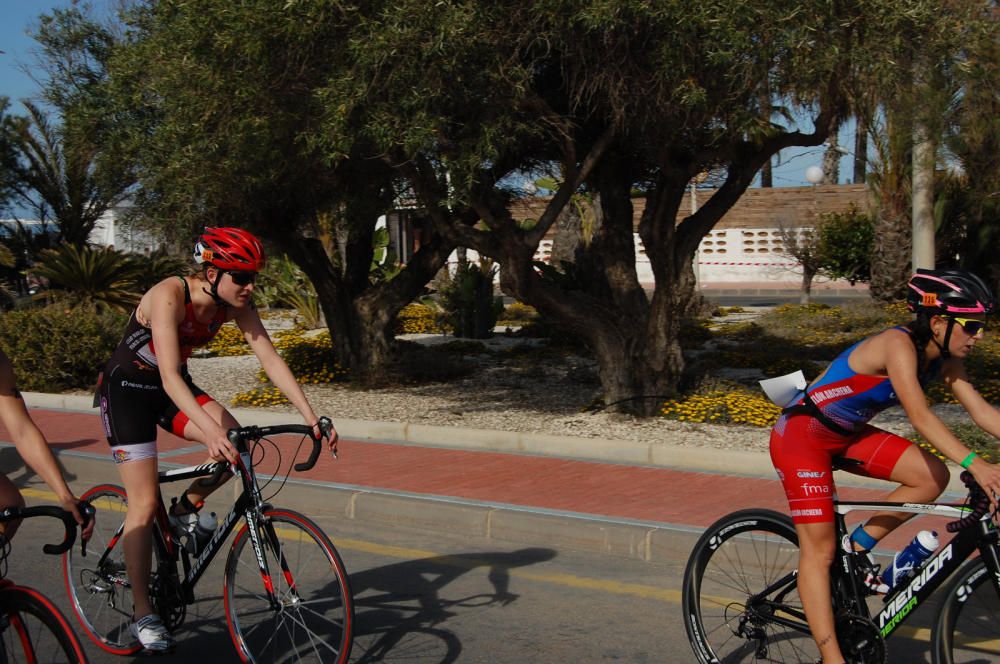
(602, 489)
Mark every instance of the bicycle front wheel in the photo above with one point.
(302, 610)
(966, 629)
(98, 587)
(34, 631)
(740, 600)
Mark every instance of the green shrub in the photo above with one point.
(311, 360)
(60, 347)
(467, 298)
(417, 319)
(228, 341)
(517, 314)
(694, 333)
(718, 402)
(845, 244)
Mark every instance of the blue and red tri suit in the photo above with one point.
(804, 441)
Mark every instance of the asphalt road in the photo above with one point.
(428, 598)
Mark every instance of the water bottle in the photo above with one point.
(203, 530)
(909, 559)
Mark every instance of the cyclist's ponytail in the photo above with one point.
(921, 334)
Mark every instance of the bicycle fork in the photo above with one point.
(260, 525)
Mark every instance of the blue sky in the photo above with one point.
(19, 16)
(17, 47)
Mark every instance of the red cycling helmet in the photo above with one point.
(230, 249)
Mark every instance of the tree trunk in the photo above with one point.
(831, 160)
(808, 275)
(568, 235)
(891, 253)
(360, 323)
(767, 175)
(860, 151)
(923, 197)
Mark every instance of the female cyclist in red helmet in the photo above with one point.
(146, 383)
(830, 418)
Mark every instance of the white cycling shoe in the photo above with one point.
(152, 634)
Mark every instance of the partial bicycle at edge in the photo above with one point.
(741, 604)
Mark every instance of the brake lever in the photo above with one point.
(326, 428)
(89, 516)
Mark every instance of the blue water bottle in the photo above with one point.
(909, 559)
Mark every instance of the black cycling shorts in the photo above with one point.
(133, 406)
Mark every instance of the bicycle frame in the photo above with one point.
(248, 505)
(901, 600)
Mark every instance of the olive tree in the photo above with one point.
(281, 115)
(620, 96)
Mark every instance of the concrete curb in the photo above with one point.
(664, 455)
(639, 540)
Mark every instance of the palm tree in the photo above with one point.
(103, 276)
(59, 175)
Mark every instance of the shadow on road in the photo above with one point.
(401, 608)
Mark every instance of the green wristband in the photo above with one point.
(967, 461)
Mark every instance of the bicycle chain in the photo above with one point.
(860, 640)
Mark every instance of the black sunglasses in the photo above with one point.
(971, 326)
(242, 278)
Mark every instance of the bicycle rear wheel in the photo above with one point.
(34, 631)
(966, 629)
(98, 587)
(312, 617)
(727, 614)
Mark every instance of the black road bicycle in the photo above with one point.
(32, 629)
(741, 603)
(286, 591)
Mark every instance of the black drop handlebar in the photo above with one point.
(243, 434)
(69, 522)
(979, 502)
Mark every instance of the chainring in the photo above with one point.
(860, 640)
(165, 591)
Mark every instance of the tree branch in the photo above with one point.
(575, 178)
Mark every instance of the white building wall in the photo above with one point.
(109, 233)
(733, 255)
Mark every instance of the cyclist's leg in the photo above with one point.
(180, 425)
(802, 451)
(141, 481)
(817, 550)
(922, 477)
(130, 406)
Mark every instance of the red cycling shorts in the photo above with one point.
(802, 451)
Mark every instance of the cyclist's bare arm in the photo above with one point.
(30, 442)
(983, 414)
(901, 366)
(260, 342)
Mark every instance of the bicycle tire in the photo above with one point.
(102, 598)
(315, 619)
(739, 556)
(34, 630)
(966, 628)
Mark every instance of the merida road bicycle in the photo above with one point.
(741, 603)
(286, 592)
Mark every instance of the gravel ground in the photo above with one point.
(543, 396)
